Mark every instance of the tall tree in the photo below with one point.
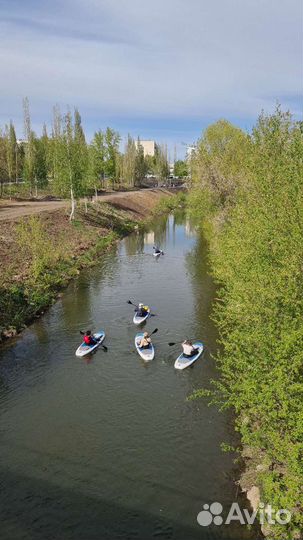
(180, 168)
(112, 141)
(29, 148)
(129, 162)
(140, 164)
(161, 163)
(11, 152)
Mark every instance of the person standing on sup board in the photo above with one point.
(89, 339)
(157, 250)
(188, 349)
(145, 342)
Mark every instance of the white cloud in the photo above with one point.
(175, 60)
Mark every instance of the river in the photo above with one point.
(109, 448)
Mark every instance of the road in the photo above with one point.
(12, 210)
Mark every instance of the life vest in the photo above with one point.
(87, 340)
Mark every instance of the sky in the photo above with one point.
(160, 69)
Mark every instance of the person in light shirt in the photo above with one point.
(145, 342)
(188, 349)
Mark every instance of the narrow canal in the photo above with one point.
(109, 448)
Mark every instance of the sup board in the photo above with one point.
(84, 349)
(146, 354)
(183, 362)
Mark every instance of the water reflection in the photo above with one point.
(111, 448)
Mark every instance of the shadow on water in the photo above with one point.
(45, 511)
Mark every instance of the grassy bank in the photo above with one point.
(168, 204)
(40, 254)
(247, 197)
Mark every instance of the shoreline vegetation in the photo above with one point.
(42, 253)
(247, 198)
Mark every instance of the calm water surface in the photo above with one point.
(109, 448)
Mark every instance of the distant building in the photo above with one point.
(149, 147)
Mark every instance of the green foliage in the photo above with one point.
(257, 252)
(36, 244)
(161, 167)
(66, 165)
(53, 264)
(167, 204)
(180, 168)
(112, 141)
(40, 168)
(221, 162)
(97, 159)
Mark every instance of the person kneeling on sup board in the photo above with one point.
(89, 339)
(141, 311)
(188, 349)
(145, 341)
(157, 250)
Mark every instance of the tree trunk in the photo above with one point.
(96, 194)
(85, 204)
(72, 214)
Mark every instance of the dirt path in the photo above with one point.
(13, 210)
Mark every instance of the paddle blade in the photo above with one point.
(172, 343)
(81, 332)
(129, 302)
(104, 348)
(154, 332)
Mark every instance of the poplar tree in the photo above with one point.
(129, 162)
(29, 148)
(140, 164)
(96, 154)
(112, 141)
(11, 148)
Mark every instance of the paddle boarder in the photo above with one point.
(89, 339)
(188, 349)
(145, 342)
(141, 310)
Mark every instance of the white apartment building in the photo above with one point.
(149, 147)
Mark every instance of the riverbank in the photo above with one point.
(41, 252)
(247, 198)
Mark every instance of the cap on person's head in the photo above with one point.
(140, 305)
(88, 332)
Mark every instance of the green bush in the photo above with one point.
(256, 253)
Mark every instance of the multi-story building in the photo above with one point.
(149, 147)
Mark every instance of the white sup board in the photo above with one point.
(146, 354)
(183, 362)
(84, 349)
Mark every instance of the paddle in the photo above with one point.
(131, 303)
(154, 332)
(103, 346)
